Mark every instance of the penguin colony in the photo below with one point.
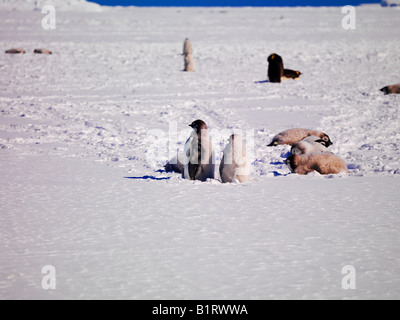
(276, 70)
(309, 148)
(309, 152)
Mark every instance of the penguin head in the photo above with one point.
(326, 141)
(198, 125)
(274, 57)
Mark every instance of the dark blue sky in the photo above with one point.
(233, 2)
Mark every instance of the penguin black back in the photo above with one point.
(275, 67)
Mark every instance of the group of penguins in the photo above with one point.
(276, 70)
(309, 152)
(22, 51)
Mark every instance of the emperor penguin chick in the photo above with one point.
(198, 154)
(189, 63)
(235, 165)
(324, 163)
(311, 144)
(187, 47)
(292, 136)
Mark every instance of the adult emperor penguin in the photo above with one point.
(311, 144)
(291, 74)
(395, 88)
(235, 165)
(199, 159)
(292, 136)
(275, 68)
(16, 51)
(42, 51)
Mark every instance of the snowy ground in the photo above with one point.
(79, 193)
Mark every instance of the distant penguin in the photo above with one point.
(187, 47)
(42, 51)
(189, 63)
(291, 74)
(198, 154)
(324, 163)
(15, 51)
(292, 136)
(275, 68)
(175, 164)
(393, 89)
(235, 165)
(311, 144)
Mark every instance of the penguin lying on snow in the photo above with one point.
(391, 89)
(42, 51)
(324, 163)
(311, 144)
(198, 154)
(291, 74)
(292, 136)
(235, 165)
(15, 51)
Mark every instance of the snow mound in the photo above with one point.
(390, 3)
(63, 5)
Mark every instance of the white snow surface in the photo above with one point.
(79, 192)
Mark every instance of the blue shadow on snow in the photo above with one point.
(148, 178)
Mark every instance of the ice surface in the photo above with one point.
(79, 193)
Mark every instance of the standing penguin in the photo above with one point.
(198, 154)
(187, 47)
(235, 165)
(187, 56)
(189, 63)
(275, 68)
